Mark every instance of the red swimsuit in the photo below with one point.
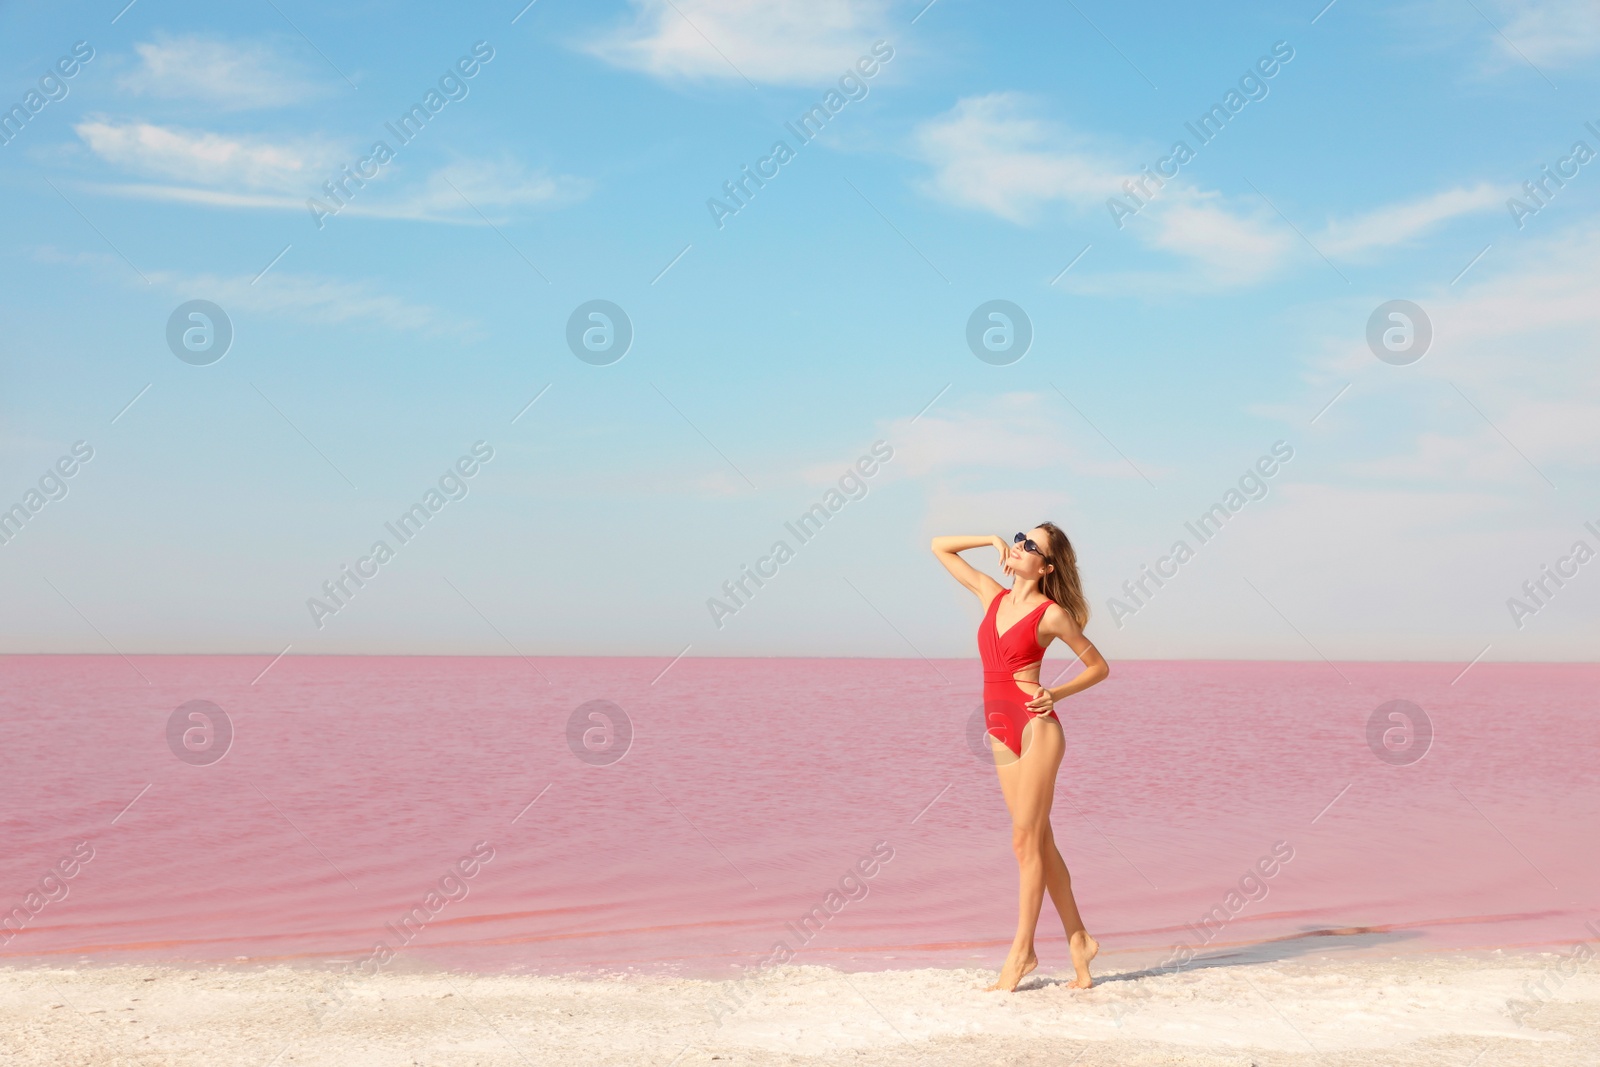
(1005, 707)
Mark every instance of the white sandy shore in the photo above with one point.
(1425, 1009)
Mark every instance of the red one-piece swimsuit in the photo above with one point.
(1005, 707)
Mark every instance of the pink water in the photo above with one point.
(752, 787)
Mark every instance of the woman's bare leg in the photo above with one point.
(1028, 785)
(1005, 763)
(1059, 882)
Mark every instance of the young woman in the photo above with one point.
(1045, 603)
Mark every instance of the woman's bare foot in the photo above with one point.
(1012, 972)
(1084, 948)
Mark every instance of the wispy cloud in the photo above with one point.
(1552, 33)
(495, 187)
(218, 73)
(989, 152)
(211, 159)
(993, 153)
(228, 171)
(1510, 392)
(309, 298)
(775, 42)
(1013, 459)
(1397, 224)
(1237, 247)
(188, 194)
(1022, 432)
(497, 190)
(304, 297)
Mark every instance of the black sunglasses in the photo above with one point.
(1028, 544)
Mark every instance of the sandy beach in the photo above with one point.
(1420, 1009)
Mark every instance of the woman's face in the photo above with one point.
(1024, 564)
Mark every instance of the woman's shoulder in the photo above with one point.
(1059, 618)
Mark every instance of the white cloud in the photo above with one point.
(217, 73)
(991, 153)
(186, 194)
(206, 158)
(1235, 248)
(1238, 247)
(1552, 33)
(328, 301)
(56, 257)
(1015, 432)
(1363, 572)
(1399, 223)
(1517, 339)
(988, 153)
(1525, 319)
(236, 172)
(717, 484)
(493, 187)
(777, 42)
(1475, 452)
(309, 298)
(494, 193)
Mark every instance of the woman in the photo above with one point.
(1045, 603)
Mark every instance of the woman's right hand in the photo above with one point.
(1005, 553)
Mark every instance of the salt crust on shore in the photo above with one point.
(1425, 1009)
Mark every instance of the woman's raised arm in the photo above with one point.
(948, 551)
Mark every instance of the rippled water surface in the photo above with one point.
(754, 793)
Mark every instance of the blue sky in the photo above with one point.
(770, 351)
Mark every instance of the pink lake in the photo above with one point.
(751, 789)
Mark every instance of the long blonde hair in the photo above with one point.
(1063, 585)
